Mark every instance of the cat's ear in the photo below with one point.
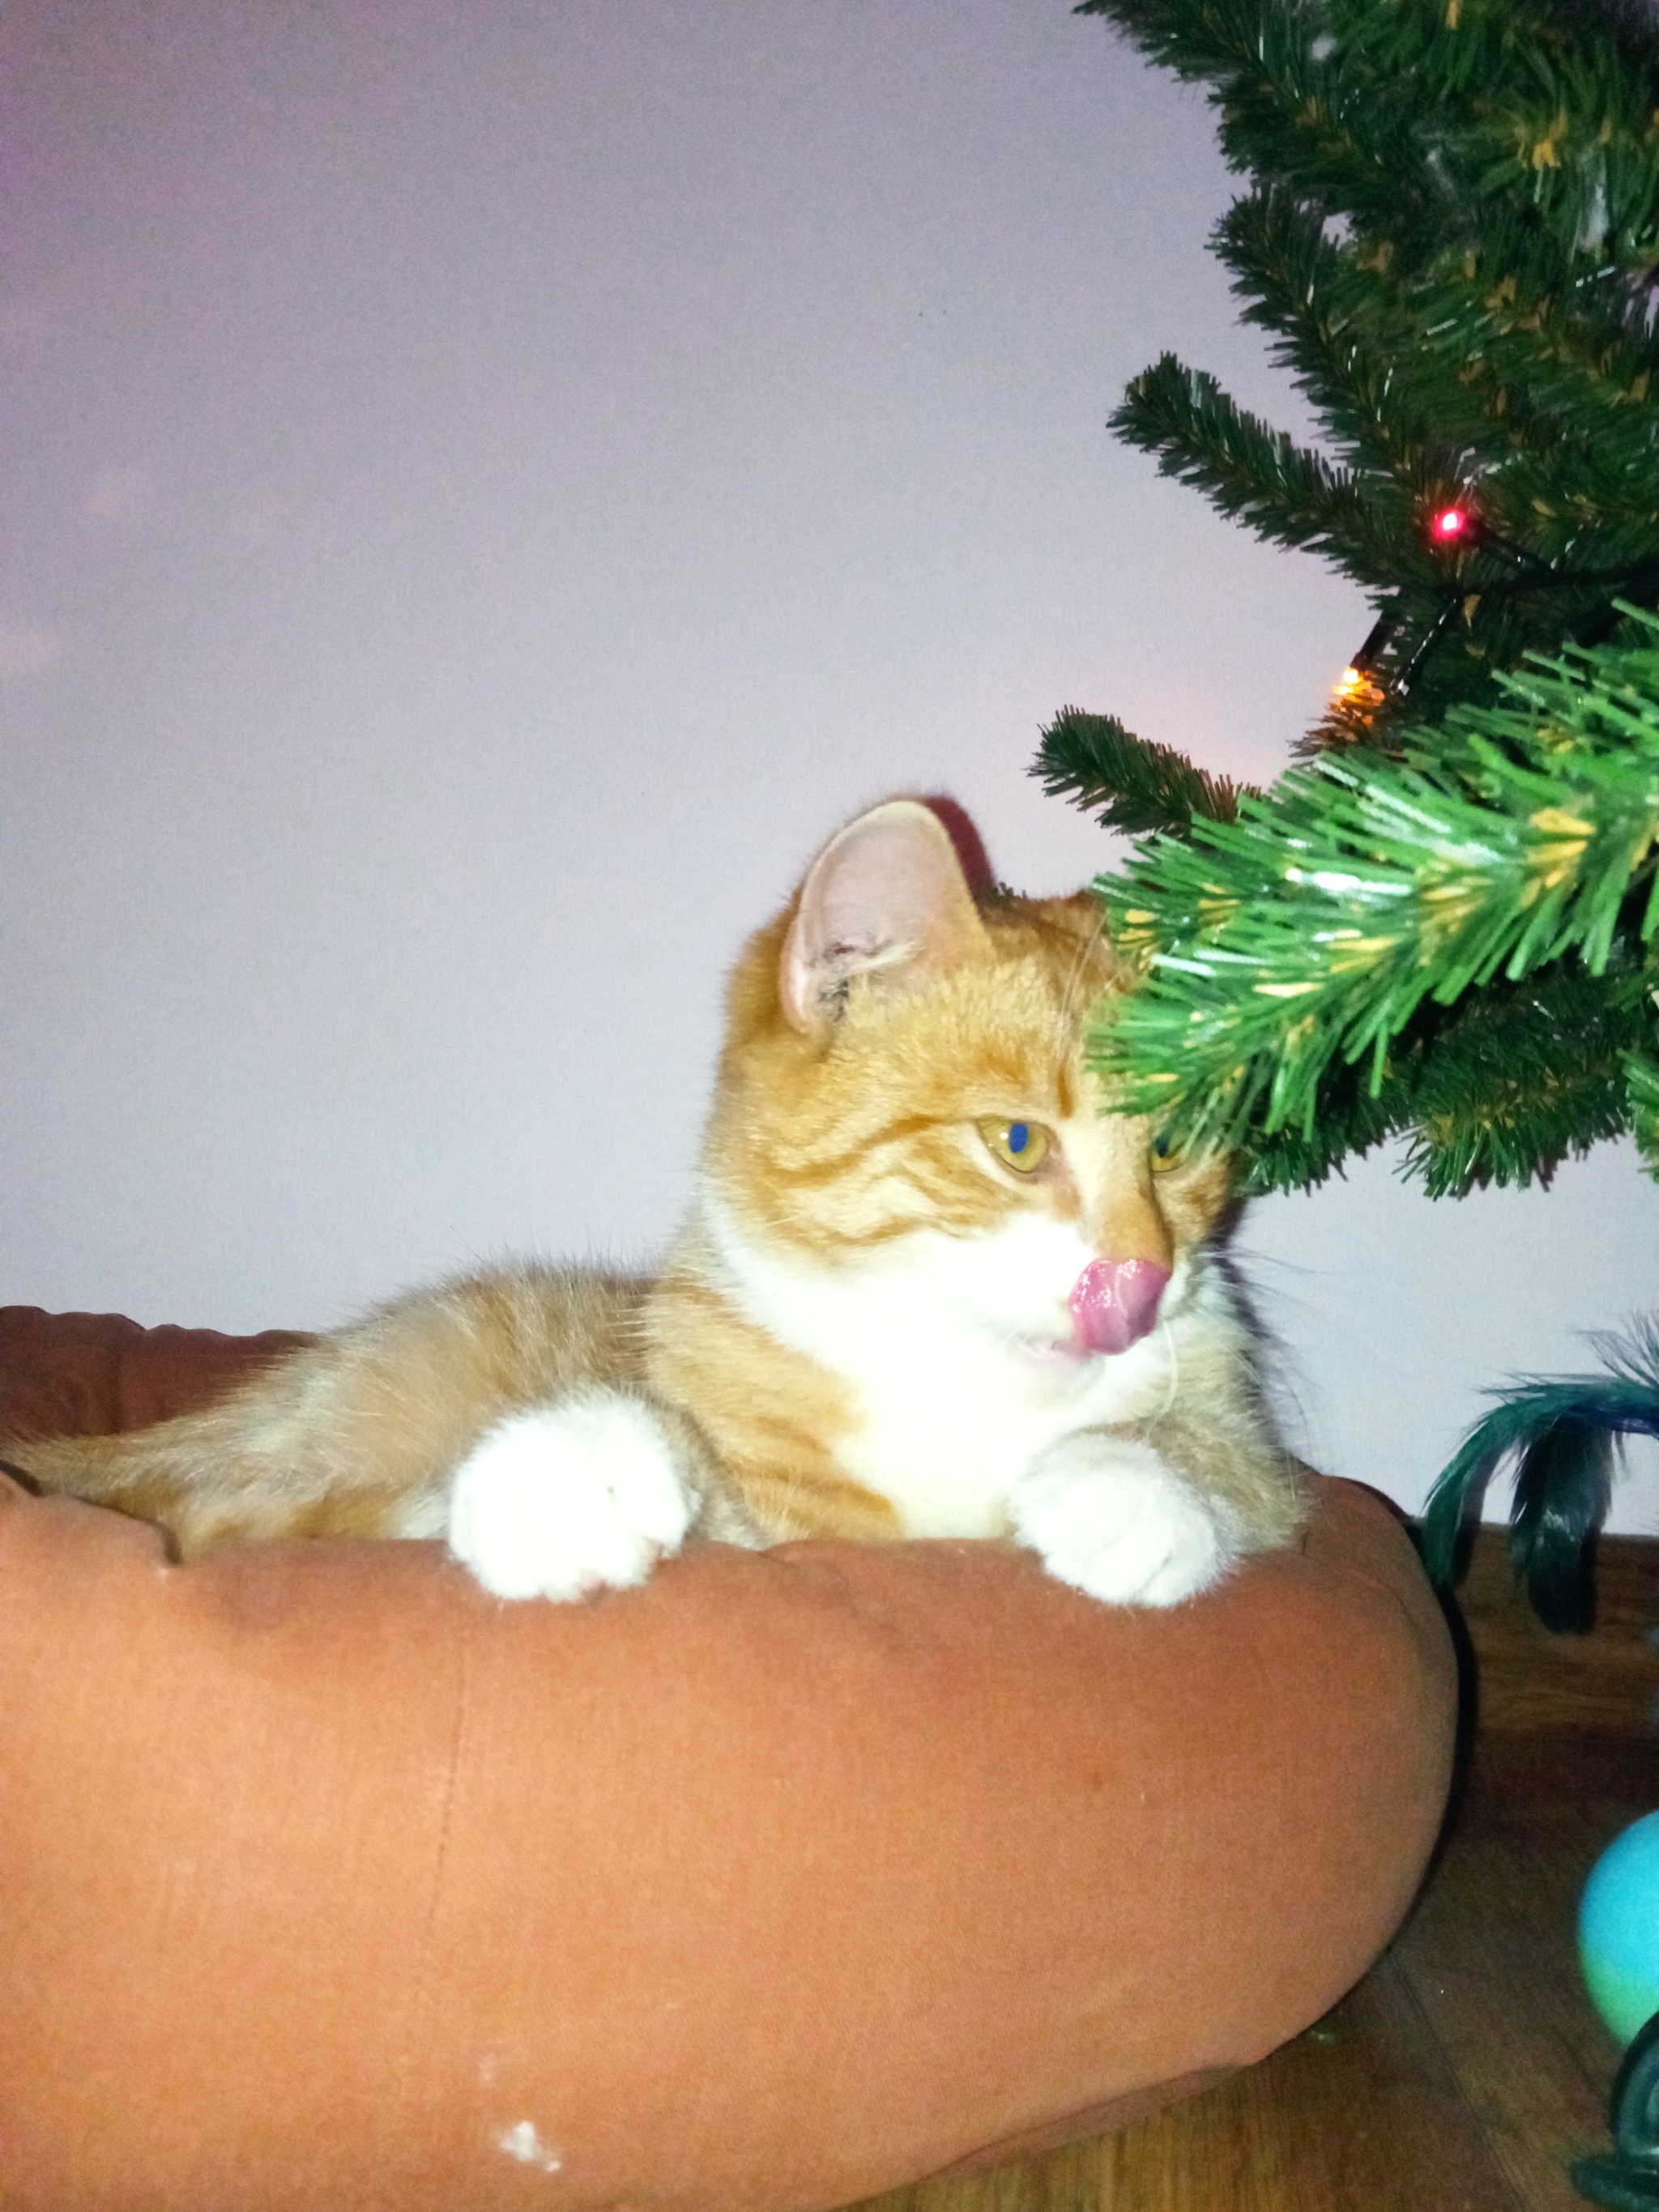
(885, 899)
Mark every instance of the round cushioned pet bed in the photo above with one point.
(330, 1881)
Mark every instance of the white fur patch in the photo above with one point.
(568, 1498)
(961, 1352)
(1110, 1518)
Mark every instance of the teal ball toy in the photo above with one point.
(1619, 1929)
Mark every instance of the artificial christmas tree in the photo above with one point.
(1444, 923)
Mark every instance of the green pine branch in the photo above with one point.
(1308, 936)
(1286, 111)
(1450, 240)
(1499, 1088)
(1127, 782)
(1418, 119)
(1258, 475)
(1464, 371)
(1642, 1099)
(1519, 1077)
(1343, 331)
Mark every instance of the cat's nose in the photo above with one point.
(1115, 1302)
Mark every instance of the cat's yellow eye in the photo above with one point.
(1164, 1156)
(1021, 1145)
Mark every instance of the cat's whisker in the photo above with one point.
(1072, 991)
(1169, 1345)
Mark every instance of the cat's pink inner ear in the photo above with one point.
(886, 898)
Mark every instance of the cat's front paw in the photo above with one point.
(569, 1498)
(1110, 1517)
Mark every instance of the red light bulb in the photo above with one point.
(1450, 523)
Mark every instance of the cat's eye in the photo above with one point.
(1021, 1145)
(1164, 1156)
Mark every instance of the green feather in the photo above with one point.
(1561, 1433)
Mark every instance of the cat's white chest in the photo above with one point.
(943, 1435)
(948, 1356)
(953, 1418)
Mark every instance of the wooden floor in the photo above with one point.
(1467, 2068)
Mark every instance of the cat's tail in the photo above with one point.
(121, 1470)
(226, 1469)
(325, 1441)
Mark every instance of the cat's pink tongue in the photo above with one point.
(1115, 1302)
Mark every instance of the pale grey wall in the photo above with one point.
(486, 487)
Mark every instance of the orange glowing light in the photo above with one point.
(1349, 685)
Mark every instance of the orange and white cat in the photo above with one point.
(926, 1287)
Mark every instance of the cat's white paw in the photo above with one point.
(568, 1498)
(1110, 1518)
